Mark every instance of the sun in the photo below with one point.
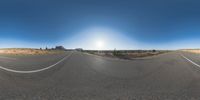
(100, 44)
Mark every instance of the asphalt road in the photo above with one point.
(87, 77)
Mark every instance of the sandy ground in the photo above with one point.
(197, 51)
(19, 51)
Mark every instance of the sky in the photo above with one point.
(100, 24)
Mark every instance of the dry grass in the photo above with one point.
(129, 55)
(197, 51)
(25, 51)
(145, 54)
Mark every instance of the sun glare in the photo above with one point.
(100, 44)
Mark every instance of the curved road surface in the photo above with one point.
(87, 77)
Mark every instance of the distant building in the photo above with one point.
(60, 48)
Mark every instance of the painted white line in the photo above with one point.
(7, 58)
(190, 61)
(34, 71)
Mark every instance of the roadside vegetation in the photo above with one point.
(27, 51)
(127, 54)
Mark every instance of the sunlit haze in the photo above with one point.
(103, 24)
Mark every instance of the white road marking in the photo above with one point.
(7, 58)
(34, 71)
(190, 61)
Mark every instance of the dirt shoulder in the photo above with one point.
(197, 51)
(27, 51)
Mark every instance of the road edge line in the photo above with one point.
(37, 70)
(190, 61)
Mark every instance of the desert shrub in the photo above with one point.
(117, 53)
(37, 52)
(114, 52)
(92, 52)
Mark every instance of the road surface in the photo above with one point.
(81, 76)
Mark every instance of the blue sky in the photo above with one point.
(121, 24)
